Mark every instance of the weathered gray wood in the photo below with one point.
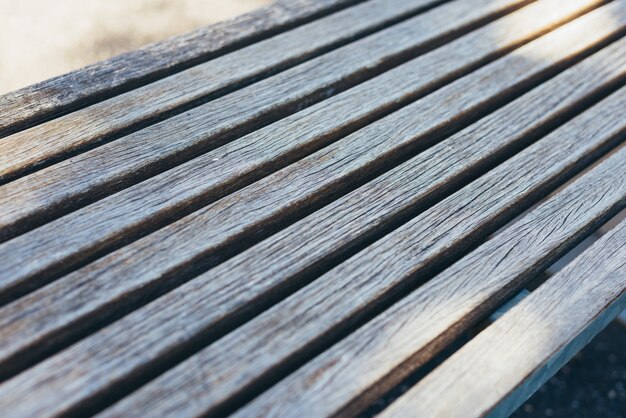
(33, 104)
(68, 241)
(77, 300)
(379, 355)
(357, 318)
(113, 166)
(522, 350)
(232, 363)
(28, 149)
(277, 340)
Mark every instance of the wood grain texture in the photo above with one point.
(524, 348)
(278, 340)
(71, 304)
(248, 353)
(113, 166)
(85, 127)
(91, 84)
(69, 240)
(292, 267)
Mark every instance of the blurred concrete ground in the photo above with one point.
(40, 39)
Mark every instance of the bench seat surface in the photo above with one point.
(316, 208)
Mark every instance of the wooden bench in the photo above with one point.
(301, 210)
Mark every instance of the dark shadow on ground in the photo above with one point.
(591, 385)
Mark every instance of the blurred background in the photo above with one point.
(43, 38)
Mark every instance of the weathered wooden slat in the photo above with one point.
(84, 178)
(499, 369)
(33, 104)
(66, 307)
(320, 309)
(28, 149)
(68, 241)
